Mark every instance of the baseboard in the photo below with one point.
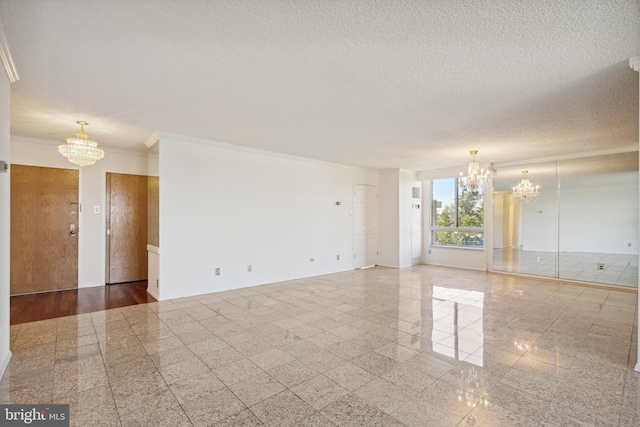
(4, 362)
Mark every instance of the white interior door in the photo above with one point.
(365, 218)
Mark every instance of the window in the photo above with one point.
(457, 216)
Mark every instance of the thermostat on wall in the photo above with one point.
(4, 166)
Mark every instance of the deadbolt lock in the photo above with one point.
(72, 230)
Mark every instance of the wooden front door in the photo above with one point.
(44, 229)
(126, 213)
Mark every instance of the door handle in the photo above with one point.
(72, 230)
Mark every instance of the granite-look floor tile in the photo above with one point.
(81, 382)
(300, 348)
(384, 395)
(271, 358)
(163, 344)
(256, 388)
(351, 410)
(375, 363)
(450, 398)
(182, 370)
(579, 415)
(408, 378)
(88, 400)
(244, 418)
(490, 414)
(210, 345)
(370, 341)
(205, 412)
(130, 369)
(292, 373)
(539, 385)
(137, 385)
(322, 361)
(350, 376)
(324, 339)
(347, 349)
(197, 387)
(237, 371)
(396, 352)
(224, 356)
(154, 409)
(315, 420)
(518, 401)
(33, 393)
(102, 417)
(429, 364)
(171, 356)
(283, 409)
(319, 391)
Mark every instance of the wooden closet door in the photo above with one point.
(44, 229)
(126, 228)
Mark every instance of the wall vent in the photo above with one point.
(415, 192)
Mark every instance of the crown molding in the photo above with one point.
(7, 59)
(634, 63)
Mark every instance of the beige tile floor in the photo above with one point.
(420, 346)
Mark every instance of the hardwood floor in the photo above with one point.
(49, 305)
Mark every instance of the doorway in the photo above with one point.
(44, 229)
(126, 217)
(365, 218)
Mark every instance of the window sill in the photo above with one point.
(467, 248)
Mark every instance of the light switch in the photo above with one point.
(96, 209)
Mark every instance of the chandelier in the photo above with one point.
(525, 192)
(80, 148)
(477, 179)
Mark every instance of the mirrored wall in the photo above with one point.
(581, 225)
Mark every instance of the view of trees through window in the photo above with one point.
(458, 216)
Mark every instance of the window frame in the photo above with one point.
(457, 228)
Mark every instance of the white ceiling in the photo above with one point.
(379, 84)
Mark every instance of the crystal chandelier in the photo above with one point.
(525, 192)
(80, 148)
(477, 179)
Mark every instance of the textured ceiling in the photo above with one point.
(380, 84)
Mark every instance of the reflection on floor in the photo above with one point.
(619, 269)
(420, 346)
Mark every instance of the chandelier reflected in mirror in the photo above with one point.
(80, 148)
(477, 179)
(525, 191)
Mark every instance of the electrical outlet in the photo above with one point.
(600, 266)
(249, 268)
(217, 271)
(96, 209)
(338, 257)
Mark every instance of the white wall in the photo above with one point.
(5, 223)
(92, 226)
(407, 180)
(395, 217)
(389, 218)
(229, 207)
